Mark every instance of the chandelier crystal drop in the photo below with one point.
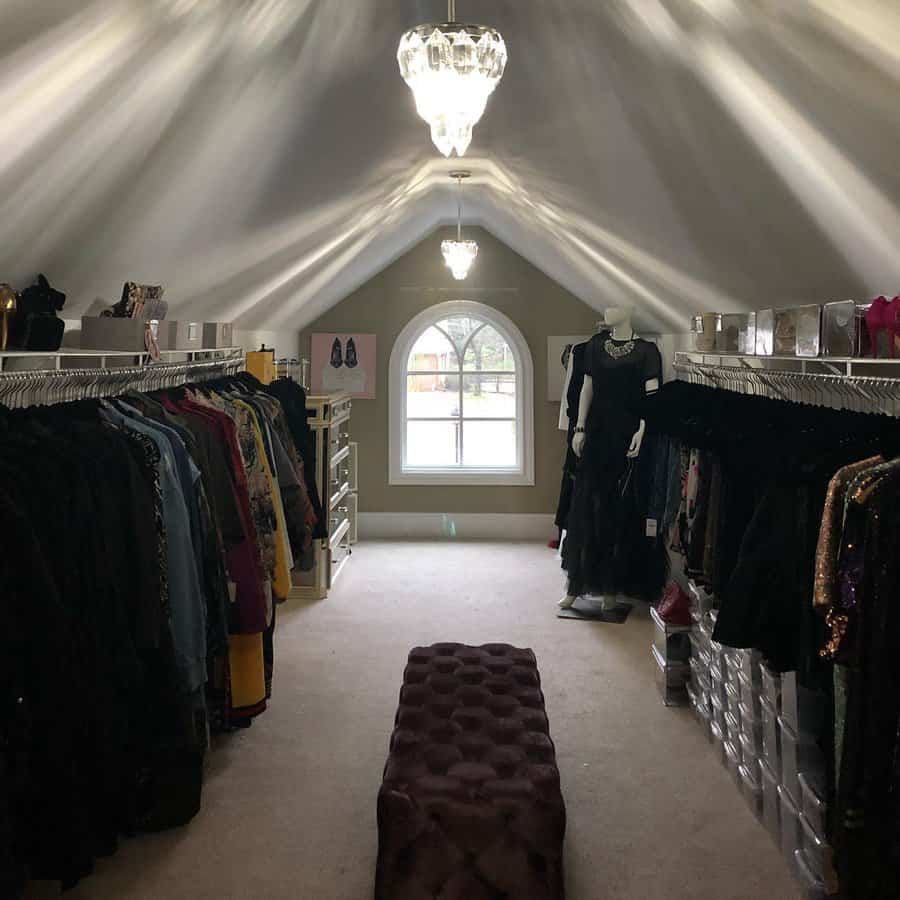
(459, 254)
(452, 69)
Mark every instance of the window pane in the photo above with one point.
(432, 352)
(491, 444)
(432, 443)
(489, 396)
(488, 351)
(432, 396)
(459, 328)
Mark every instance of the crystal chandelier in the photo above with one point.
(459, 254)
(452, 69)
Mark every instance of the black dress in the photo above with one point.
(607, 548)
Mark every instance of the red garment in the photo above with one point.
(243, 561)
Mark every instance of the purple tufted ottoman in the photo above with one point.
(470, 807)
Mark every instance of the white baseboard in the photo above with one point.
(457, 526)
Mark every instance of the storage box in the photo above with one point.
(801, 708)
(752, 790)
(701, 599)
(700, 675)
(673, 642)
(749, 694)
(765, 332)
(808, 324)
(718, 739)
(771, 806)
(182, 335)
(671, 679)
(771, 688)
(784, 341)
(844, 331)
(732, 759)
(117, 334)
(814, 888)
(737, 333)
(798, 754)
(705, 327)
(699, 649)
(217, 335)
(749, 755)
(732, 729)
(812, 800)
(815, 849)
(791, 834)
(771, 738)
(751, 725)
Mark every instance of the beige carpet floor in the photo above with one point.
(289, 807)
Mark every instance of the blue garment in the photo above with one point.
(188, 613)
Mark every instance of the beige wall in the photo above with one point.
(500, 278)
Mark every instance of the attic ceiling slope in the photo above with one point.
(262, 158)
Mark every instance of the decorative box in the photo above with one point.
(808, 323)
(182, 335)
(672, 642)
(705, 328)
(844, 331)
(737, 334)
(671, 679)
(785, 337)
(217, 335)
(261, 364)
(118, 334)
(765, 332)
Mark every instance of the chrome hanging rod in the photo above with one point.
(451, 10)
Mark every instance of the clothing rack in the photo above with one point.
(43, 387)
(858, 393)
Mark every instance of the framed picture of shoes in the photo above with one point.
(343, 362)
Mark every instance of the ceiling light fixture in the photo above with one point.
(459, 254)
(452, 68)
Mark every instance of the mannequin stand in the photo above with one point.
(593, 609)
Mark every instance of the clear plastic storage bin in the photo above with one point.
(791, 834)
(700, 675)
(751, 789)
(749, 694)
(732, 730)
(771, 738)
(801, 708)
(732, 759)
(705, 328)
(749, 756)
(733, 701)
(672, 642)
(718, 712)
(671, 679)
(699, 648)
(751, 725)
(808, 321)
(771, 803)
(817, 852)
(765, 332)
(812, 800)
(718, 739)
(798, 754)
(771, 688)
(814, 888)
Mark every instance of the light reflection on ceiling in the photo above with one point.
(262, 158)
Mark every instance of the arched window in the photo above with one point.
(461, 398)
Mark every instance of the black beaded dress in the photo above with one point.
(607, 548)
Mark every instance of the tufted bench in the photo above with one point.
(470, 807)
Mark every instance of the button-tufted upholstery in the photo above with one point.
(470, 807)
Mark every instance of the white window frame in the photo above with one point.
(520, 474)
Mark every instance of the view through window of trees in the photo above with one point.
(461, 398)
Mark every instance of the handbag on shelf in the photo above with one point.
(139, 301)
(35, 324)
(675, 606)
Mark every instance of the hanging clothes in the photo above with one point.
(142, 537)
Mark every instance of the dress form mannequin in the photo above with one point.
(618, 319)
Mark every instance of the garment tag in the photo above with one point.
(232, 591)
(651, 527)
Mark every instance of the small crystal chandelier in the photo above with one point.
(452, 69)
(459, 254)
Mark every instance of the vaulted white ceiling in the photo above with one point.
(262, 158)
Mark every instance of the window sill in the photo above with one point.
(452, 477)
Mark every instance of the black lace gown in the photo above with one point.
(607, 548)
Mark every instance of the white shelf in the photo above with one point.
(55, 358)
(806, 364)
